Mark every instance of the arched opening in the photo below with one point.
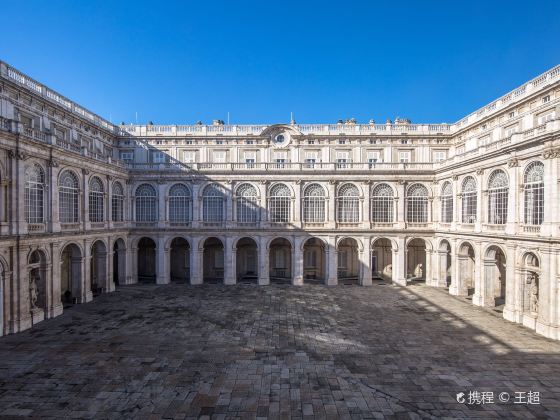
(247, 261)
(213, 261)
(416, 260)
(71, 274)
(466, 261)
(38, 299)
(348, 261)
(280, 261)
(180, 262)
(314, 261)
(119, 262)
(445, 270)
(146, 260)
(382, 259)
(98, 268)
(495, 277)
(531, 268)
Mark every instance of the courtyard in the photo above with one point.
(247, 351)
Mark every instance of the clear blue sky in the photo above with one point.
(179, 62)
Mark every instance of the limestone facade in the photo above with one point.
(470, 206)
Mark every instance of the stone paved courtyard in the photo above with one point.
(246, 351)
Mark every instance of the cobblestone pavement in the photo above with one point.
(249, 351)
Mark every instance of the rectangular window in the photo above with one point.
(372, 159)
(189, 156)
(439, 155)
(342, 159)
(512, 129)
(404, 157)
(219, 156)
(158, 157)
(546, 99)
(544, 117)
(311, 159)
(342, 260)
(128, 156)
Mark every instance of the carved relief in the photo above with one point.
(551, 153)
(512, 163)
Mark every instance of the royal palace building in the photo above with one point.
(471, 207)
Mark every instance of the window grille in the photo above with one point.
(247, 204)
(146, 203)
(279, 204)
(314, 204)
(180, 203)
(468, 200)
(213, 201)
(498, 187)
(534, 193)
(382, 204)
(68, 198)
(348, 204)
(447, 202)
(34, 194)
(417, 204)
(117, 202)
(96, 201)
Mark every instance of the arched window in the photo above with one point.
(534, 193)
(117, 202)
(247, 204)
(447, 202)
(279, 204)
(382, 204)
(34, 194)
(498, 187)
(468, 200)
(146, 203)
(96, 200)
(180, 204)
(213, 201)
(314, 204)
(68, 198)
(417, 204)
(348, 204)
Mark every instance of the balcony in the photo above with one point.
(531, 229)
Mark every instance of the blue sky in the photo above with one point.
(179, 62)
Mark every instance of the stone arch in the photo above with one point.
(280, 259)
(119, 261)
(146, 263)
(314, 251)
(382, 258)
(99, 279)
(179, 259)
(495, 281)
(348, 254)
(71, 274)
(213, 259)
(416, 259)
(445, 263)
(247, 260)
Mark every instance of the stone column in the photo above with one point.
(430, 269)
(263, 214)
(332, 262)
(547, 319)
(108, 198)
(230, 260)
(331, 204)
(21, 301)
(512, 216)
(18, 190)
(229, 204)
(109, 277)
(480, 200)
(551, 206)
(458, 287)
(297, 261)
(196, 216)
(83, 196)
(51, 198)
(264, 266)
(441, 279)
(131, 264)
(512, 285)
(456, 213)
(55, 308)
(296, 205)
(365, 215)
(401, 205)
(162, 263)
(196, 261)
(365, 262)
(162, 207)
(399, 262)
(85, 263)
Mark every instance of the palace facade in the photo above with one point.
(471, 207)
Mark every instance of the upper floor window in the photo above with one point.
(447, 202)
(180, 204)
(382, 204)
(96, 202)
(68, 197)
(417, 204)
(279, 204)
(404, 156)
(314, 204)
(247, 203)
(498, 188)
(440, 155)
(468, 200)
(126, 156)
(117, 202)
(348, 204)
(34, 194)
(213, 203)
(546, 99)
(544, 117)
(146, 203)
(159, 157)
(534, 193)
